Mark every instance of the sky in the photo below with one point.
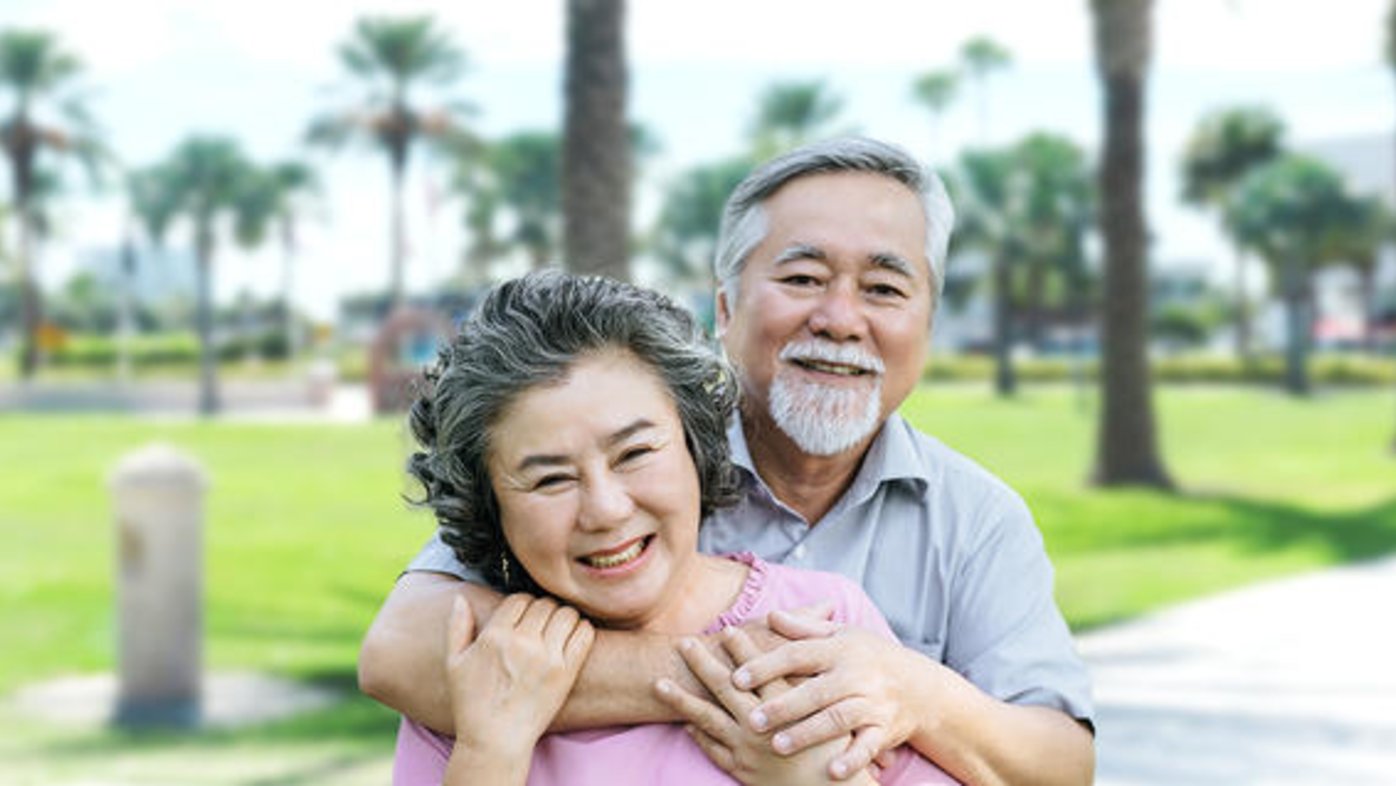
(158, 71)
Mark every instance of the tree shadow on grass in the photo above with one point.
(1349, 536)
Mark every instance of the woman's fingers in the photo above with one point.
(559, 627)
(705, 716)
(717, 753)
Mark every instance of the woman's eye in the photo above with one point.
(800, 280)
(630, 454)
(550, 481)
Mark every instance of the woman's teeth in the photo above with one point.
(619, 558)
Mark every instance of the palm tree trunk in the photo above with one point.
(397, 252)
(596, 146)
(1127, 451)
(31, 308)
(1243, 309)
(288, 261)
(1005, 382)
(1299, 325)
(208, 354)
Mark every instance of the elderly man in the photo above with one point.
(830, 264)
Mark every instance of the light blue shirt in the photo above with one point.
(948, 552)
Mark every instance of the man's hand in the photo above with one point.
(508, 684)
(854, 686)
(718, 729)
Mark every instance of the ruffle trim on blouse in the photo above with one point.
(752, 591)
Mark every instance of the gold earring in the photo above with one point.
(504, 567)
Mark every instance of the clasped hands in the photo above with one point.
(762, 726)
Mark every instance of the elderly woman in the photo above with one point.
(573, 437)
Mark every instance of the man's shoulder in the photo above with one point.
(949, 471)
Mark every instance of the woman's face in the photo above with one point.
(598, 495)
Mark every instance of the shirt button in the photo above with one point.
(799, 552)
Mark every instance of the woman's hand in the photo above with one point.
(719, 729)
(507, 685)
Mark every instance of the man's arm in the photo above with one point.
(401, 662)
(887, 694)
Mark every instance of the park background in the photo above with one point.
(1256, 472)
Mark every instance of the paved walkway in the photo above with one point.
(1290, 682)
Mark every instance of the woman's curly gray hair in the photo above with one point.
(529, 332)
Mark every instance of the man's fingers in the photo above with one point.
(460, 630)
(799, 626)
(868, 745)
(716, 676)
(795, 659)
(717, 753)
(830, 722)
(705, 716)
(741, 649)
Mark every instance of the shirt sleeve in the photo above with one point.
(437, 557)
(1006, 634)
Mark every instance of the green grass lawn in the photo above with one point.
(306, 526)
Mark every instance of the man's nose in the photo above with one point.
(839, 314)
(606, 502)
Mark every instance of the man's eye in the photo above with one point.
(886, 290)
(800, 281)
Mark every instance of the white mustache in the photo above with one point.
(829, 352)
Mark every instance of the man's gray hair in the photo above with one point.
(744, 219)
(529, 333)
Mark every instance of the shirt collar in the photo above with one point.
(891, 457)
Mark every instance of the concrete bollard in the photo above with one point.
(157, 495)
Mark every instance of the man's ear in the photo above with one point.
(724, 310)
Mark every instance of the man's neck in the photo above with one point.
(809, 485)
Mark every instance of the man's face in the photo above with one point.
(831, 323)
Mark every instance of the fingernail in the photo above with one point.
(685, 644)
(840, 769)
(664, 686)
(758, 720)
(741, 678)
(781, 743)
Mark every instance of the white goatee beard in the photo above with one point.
(823, 420)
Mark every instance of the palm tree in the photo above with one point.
(1224, 147)
(281, 196)
(391, 57)
(1391, 61)
(1127, 449)
(596, 147)
(935, 90)
(789, 114)
(206, 180)
(41, 76)
(982, 56)
(1028, 208)
(1365, 227)
(685, 236)
(991, 204)
(1289, 211)
(526, 167)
